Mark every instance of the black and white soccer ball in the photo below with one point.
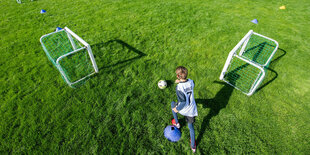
(162, 84)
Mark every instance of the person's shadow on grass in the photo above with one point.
(215, 104)
(219, 101)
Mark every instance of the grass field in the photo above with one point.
(136, 43)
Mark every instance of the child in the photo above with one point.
(186, 104)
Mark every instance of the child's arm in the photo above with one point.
(181, 99)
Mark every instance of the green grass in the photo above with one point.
(136, 43)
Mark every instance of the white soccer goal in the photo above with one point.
(71, 55)
(247, 62)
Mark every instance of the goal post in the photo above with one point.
(85, 44)
(70, 54)
(246, 64)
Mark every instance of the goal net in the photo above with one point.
(70, 54)
(246, 65)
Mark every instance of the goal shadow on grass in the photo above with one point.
(273, 73)
(115, 53)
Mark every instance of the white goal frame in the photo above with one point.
(233, 54)
(71, 34)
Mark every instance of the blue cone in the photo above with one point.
(254, 21)
(42, 11)
(58, 29)
(172, 133)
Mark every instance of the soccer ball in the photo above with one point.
(162, 84)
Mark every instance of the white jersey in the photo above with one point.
(185, 94)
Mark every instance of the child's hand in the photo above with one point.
(177, 81)
(175, 110)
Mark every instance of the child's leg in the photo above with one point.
(175, 116)
(192, 134)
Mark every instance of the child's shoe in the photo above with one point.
(175, 124)
(193, 148)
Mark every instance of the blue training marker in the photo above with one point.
(172, 133)
(58, 29)
(42, 11)
(254, 21)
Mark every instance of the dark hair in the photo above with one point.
(181, 71)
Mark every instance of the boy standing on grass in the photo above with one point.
(186, 104)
